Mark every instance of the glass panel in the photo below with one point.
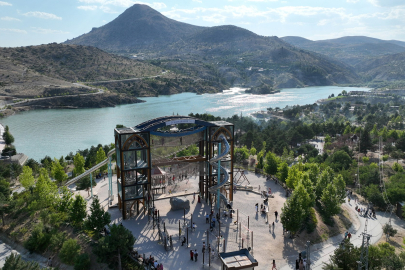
(135, 177)
(134, 192)
(135, 159)
(119, 187)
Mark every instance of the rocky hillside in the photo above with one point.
(139, 28)
(350, 50)
(384, 68)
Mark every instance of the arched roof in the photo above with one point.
(153, 125)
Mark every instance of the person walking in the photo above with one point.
(195, 255)
(274, 265)
(273, 226)
(276, 214)
(191, 255)
(207, 218)
(193, 196)
(257, 207)
(349, 235)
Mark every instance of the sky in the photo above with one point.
(28, 22)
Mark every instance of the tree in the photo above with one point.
(340, 186)
(323, 180)
(117, 245)
(78, 162)
(294, 174)
(340, 160)
(282, 172)
(98, 218)
(271, 166)
(58, 172)
(307, 184)
(77, 211)
(397, 167)
(365, 141)
(292, 215)
(330, 201)
(8, 138)
(82, 262)
(101, 156)
(66, 200)
(26, 178)
(15, 262)
(287, 156)
(45, 189)
(9, 151)
(313, 172)
(306, 201)
(346, 256)
(69, 251)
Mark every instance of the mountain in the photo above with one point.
(384, 68)
(350, 50)
(54, 69)
(138, 28)
(222, 54)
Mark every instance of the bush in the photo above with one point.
(84, 183)
(82, 262)
(69, 251)
(39, 239)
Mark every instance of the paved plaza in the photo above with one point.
(267, 244)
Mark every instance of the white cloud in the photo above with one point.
(13, 30)
(5, 4)
(10, 19)
(105, 5)
(42, 15)
(87, 7)
(387, 3)
(40, 30)
(352, 1)
(263, 1)
(197, 1)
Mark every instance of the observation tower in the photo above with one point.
(159, 145)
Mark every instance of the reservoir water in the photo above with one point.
(59, 131)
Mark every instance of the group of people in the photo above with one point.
(151, 262)
(193, 255)
(365, 212)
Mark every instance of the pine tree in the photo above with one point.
(98, 218)
(77, 212)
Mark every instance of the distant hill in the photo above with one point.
(227, 54)
(54, 69)
(350, 50)
(138, 28)
(384, 68)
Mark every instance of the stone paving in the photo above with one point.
(267, 244)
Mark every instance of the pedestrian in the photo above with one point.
(274, 265)
(193, 196)
(49, 262)
(297, 266)
(348, 200)
(207, 218)
(203, 248)
(184, 241)
(273, 226)
(276, 214)
(257, 207)
(349, 235)
(346, 234)
(199, 199)
(191, 255)
(218, 217)
(155, 264)
(195, 255)
(301, 265)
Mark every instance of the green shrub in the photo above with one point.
(82, 262)
(69, 251)
(39, 239)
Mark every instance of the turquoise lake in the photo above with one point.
(59, 131)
